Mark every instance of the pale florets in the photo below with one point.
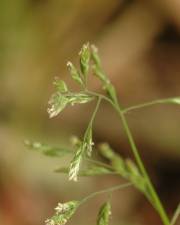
(64, 211)
(61, 208)
(49, 222)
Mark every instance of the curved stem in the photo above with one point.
(99, 163)
(147, 104)
(94, 113)
(101, 96)
(176, 215)
(108, 190)
(158, 205)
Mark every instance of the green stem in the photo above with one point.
(115, 103)
(157, 203)
(176, 215)
(99, 163)
(154, 195)
(147, 104)
(100, 96)
(93, 116)
(108, 190)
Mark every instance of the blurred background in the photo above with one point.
(139, 44)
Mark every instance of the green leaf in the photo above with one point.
(74, 73)
(104, 214)
(84, 59)
(47, 149)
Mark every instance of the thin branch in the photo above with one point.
(176, 215)
(147, 104)
(108, 190)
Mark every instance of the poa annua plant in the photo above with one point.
(132, 171)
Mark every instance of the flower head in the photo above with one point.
(64, 211)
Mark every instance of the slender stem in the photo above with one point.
(96, 109)
(93, 115)
(154, 195)
(176, 215)
(99, 163)
(113, 100)
(101, 96)
(108, 190)
(158, 205)
(147, 104)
